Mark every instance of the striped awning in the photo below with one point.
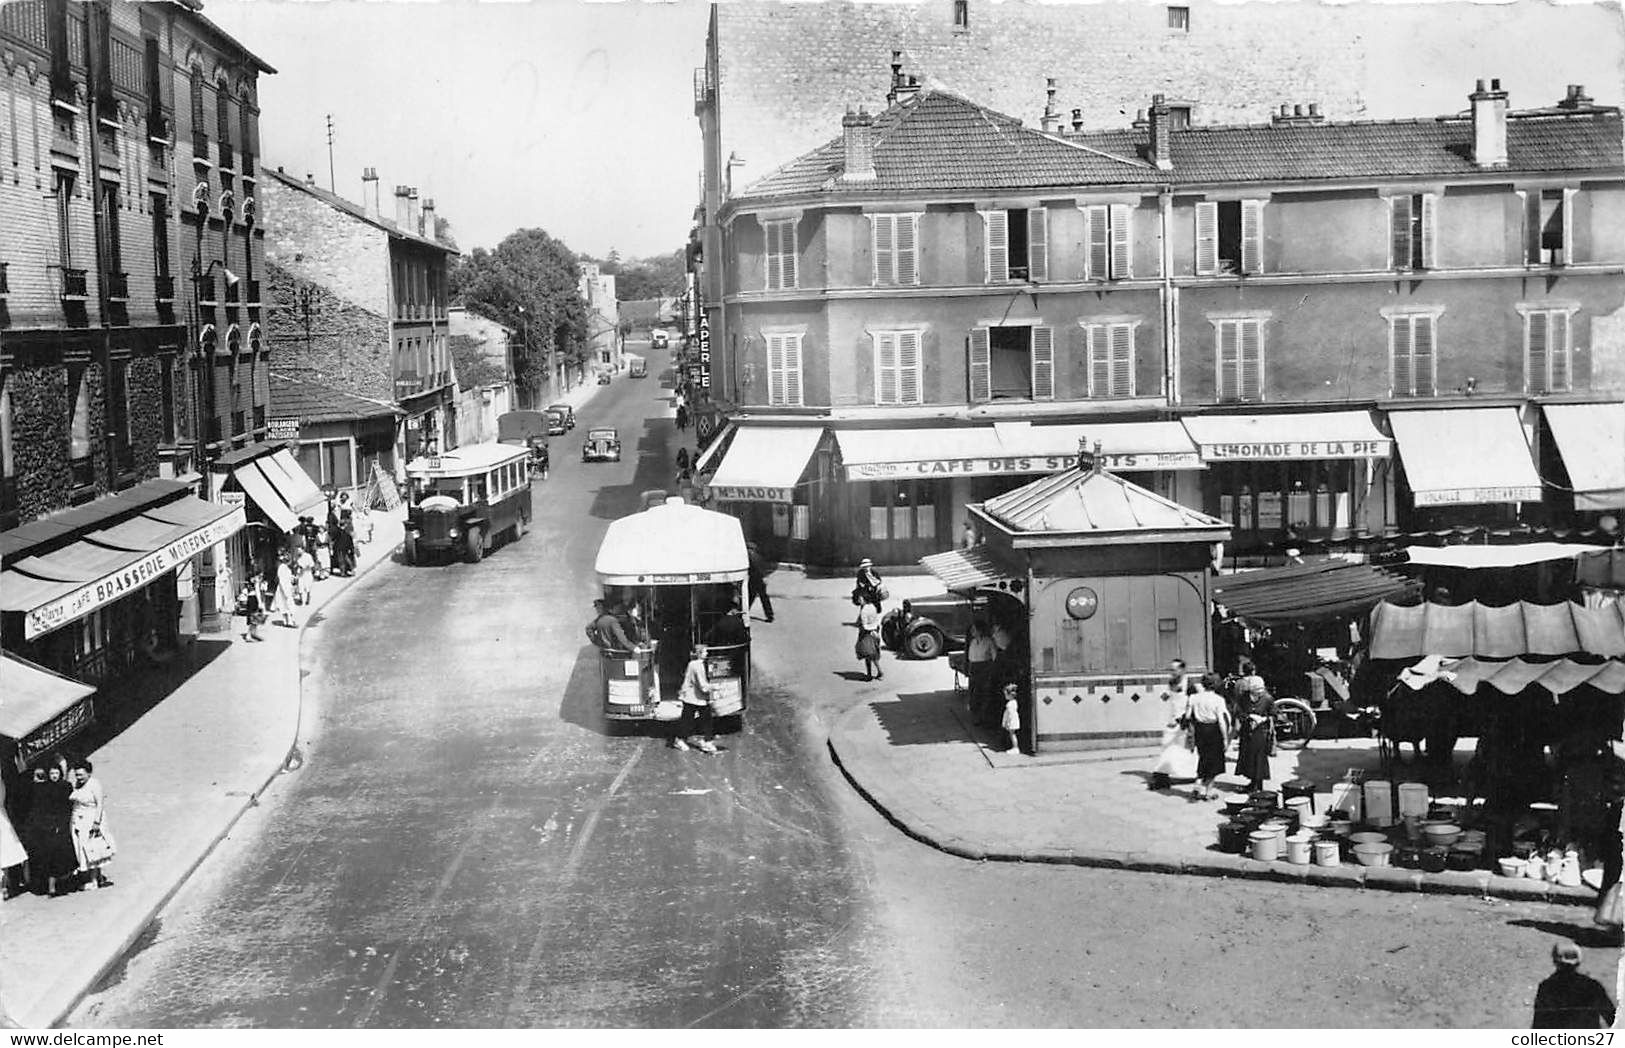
(1307, 592)
(967, 569)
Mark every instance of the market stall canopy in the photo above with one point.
(1512, 676)
(1496, 556)
(1465, 456)
(1602, 567)
(764, 463)
(1006, 448)
(1302, 435)
(1313, 592)
(1506, 632)
(31, 695)
(969, 569)
(1098, 507)
(674, 544)
(1591, 438)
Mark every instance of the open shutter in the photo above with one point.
(908, 367)
(792, 370)
(1043, 353)
(1252, 236)
(1252, 359)
(1099, 255)
(1207, 238)
(1567, 225)
(1399, 244)
(1534, 378)
(881, 236)
(1400, 331)
(1037, 244)
(885, 367)
(1430, 207)
(906, 237)
(1122, 360)
(1225, 333)
(770, 255)
(981, 366)
(996, 245)
(1557, 351)
(789, 239)
(1122, 222)
(1422, 357)
(1098, 345)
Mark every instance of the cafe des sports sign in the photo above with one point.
(131, 577)
(981, 466)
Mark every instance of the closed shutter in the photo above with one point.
(1122, 360)
(1252, 236)
(1224, 352)
(1423, 358)
(1534, 378)
(907, 237)
(1037, 244)
(770, 255)
(1400, 331)
(981, 366)
(885, 368)
(996, 245)
(775, 369)
(881, 227)
(1251, 337)
(1099, 254)
(1207, 238)
(1043, 353)
(792, 370)
(788, 269)
(1399, 250)
(908, 367)
(1122, 241)
(1558, 351)
(1430, 208)
(1100, 364)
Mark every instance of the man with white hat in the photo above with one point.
(1567, 1000)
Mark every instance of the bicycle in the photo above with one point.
(1292, 720)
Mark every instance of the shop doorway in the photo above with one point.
(902, 522)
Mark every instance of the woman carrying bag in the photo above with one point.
(867, 648)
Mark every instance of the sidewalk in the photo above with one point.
(906, 744)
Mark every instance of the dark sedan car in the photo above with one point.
(925, 627)
(601, 445)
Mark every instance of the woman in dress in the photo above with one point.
(12, 852)
(868, 647)
(45, 831)
(1210, 727)
(1178, 757)
(285, 588)
(1256, 731)
(87, 820)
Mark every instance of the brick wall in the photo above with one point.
(315, 242)
(348, 346)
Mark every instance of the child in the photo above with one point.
(1011, 722)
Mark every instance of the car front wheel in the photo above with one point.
(473, 545)
(925, 643)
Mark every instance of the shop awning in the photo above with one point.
(1465, 456)
(68, 583)
(31, 695)
(1490, 632)
(1512, 676)
(967, 569)
(1303, 435)
(1306, 592)
(1011, 448)
(713, 449)
(1591, 439)
(1497, 556)
(279, 487)
(764, 463)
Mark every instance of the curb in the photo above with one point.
(184, 872)
(1480, 883)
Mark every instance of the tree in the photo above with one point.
(442, 231)
(660, 276)
(530, 282)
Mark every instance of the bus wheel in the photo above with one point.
(409, 550)
(473, 545)
(521, 527)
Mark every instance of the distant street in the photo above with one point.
(465, 845)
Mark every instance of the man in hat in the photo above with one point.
(611, 634)
(1567, 1000)
(757, 580)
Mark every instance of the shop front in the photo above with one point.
(1304, 481)
(1581, 450)
(761, 479)
(40, 713)
(1463, 467)
(274, 492)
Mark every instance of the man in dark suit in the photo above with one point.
(1567, 1000)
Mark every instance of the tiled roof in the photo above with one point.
(355, 210)
(315, 401)
(942, 142)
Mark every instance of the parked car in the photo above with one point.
(925, 627)
(601, 445)
(568, 413)
(557, 424)
(603, 378)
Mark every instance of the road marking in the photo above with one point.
(577, 852)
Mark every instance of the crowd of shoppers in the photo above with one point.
(54, 832)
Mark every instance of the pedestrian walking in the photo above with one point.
(979, 656)
(363, 517)
(697, 717)
(93, 846)
(304, 575)
(1209, 719)
(324, 555)
(45, 830)
(343, 533)
(286, 580)
(1255, 733)
(756, 580)
(1177, 759)
(867, 648)
(251, 603)
(682, 460)
(869, 588)
(1567, 1000)
(682, 418)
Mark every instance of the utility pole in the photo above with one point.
(332, 183)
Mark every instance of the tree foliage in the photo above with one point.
(530, 282)
(659, 276)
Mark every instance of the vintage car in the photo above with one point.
(603, 378)
(566, 412)
(925, 627)
(601, 445)
(638, 368)
(659, 340)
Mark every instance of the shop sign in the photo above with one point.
(740, 494)
(1470, 496)
(88, 598)
(231, 498)
(54, 732)
(704, 366)
(285, 428)
(1296, 449)
(984, 466)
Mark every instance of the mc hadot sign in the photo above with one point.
(744, 494)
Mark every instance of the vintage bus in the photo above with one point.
(465, 500)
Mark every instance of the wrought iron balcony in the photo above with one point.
(164, 285)
(118, 286)
(206, 291)
(73, 284)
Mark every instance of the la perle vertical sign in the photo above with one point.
(705, 351)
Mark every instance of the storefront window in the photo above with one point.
(1311, 499)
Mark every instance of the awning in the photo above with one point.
(764, 463)
(279, 487)
(1306, 592)
(1305, 435)
(1514, 675)
(31, 695)
(68, 583)
(1011, 448)
(1497, 556)
(967, 569)
(1591, 438)
(713, 449)
(1490, 632)
(1465, 456)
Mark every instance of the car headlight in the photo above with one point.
(452, 533)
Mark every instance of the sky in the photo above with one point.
(577, 116)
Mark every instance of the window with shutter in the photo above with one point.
(884, 229)
(1207, 238)
(1122, 337)
(780, 254)
(1098, 258)
(1548, 357)
(1240, 358)
(1122, 222)
(1043, 352)
(996, 245)
(792, 370)
(1423, 359)
(1100, 360)
(1110, 349)
(907, 251)
(980, 366)
(1251, 381)
(908, 367)
(1252, 236)
(1535, 367)
(1557, 351)
(885, 367)
(1399, 335)
(1400, 247)
(1037, 244)
(1429, 212)
(1225, 354)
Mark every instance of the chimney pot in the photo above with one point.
(1286, 110)
(1489, 110)
(1077, 120)
(1495, 83)
(1481, 88)
(1297, 110)
(1314, 109)
(1160, 127)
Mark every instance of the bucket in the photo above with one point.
(1298, 848)
(1535, 868)
(1278, 827)
(1408, 856)
(1379, 802)
(1233, 837)
(1433, 859)
(1265, 799)
(1266, 845)
(1315, 823)
(1346, 798)
(1299, 806)
(1328, 853)
(1233, 806)
(1511, 867)
(1413, 799)
(1372, 854)
(1462, 859)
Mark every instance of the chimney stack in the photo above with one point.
(1161, 151)
(1051, 123)
(369, 192)
(1077, 121)
(415, 220)
(857, 129)
(403, 208)
(1489, 125)
(896, 77)
(428, 218)
(1576, 98)
(1297, 115)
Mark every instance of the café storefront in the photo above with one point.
(1463, 467)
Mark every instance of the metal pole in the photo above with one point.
(332, 182)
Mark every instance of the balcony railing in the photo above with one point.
(253, 292)
(206, 291)
(118, 286)
(74, 284)
(227, 159)
(200, 146)
(164, 285)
